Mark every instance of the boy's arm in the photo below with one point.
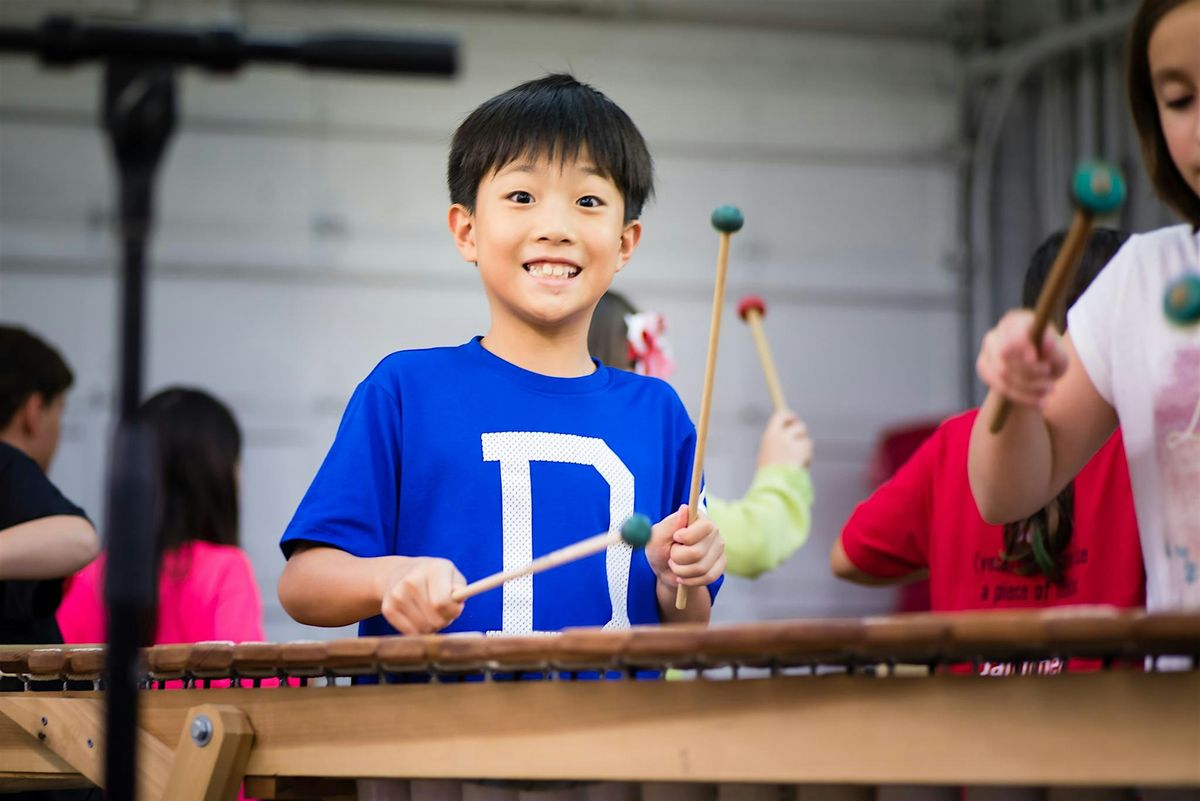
(47, 548)
(1021, 469)
(699, 606)
(323, 586)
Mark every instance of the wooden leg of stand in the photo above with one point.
(73, 728)
(210, 760)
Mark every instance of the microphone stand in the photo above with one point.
(139, 113)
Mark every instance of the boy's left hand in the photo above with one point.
(681, 554)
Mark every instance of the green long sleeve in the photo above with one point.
(769, 523)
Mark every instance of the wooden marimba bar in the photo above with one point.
(792, 702)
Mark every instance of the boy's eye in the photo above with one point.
(520, 197)
(590, 202)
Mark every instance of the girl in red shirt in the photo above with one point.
(1082, 548)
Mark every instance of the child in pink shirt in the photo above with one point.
(206, 592)
(206, 587)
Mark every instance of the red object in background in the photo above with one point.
(895, 447)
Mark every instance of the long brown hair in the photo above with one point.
(608, 338)
(1168, 183)
(1038, 542)
(199, 445)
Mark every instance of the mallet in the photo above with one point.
(728, 220)
(1098, 189)
(1181, 302)
(635, 531)
(752, 310)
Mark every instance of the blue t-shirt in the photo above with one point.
(456, 453)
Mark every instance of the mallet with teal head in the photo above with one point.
(728, 220)
(1098, 188)
(635, 532)
(1181, 301)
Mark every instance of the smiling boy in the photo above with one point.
(453, 463)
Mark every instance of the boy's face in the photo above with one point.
(548, 240)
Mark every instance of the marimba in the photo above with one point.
(792, 702)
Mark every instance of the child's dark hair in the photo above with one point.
(555, 118)
(1169, 184)
(199, 444)
(1102, 245)
(28, 366)
(608, 336)
(1039, 541)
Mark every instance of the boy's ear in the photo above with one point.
(29, 414)
(629, 242)
(26, 420)
(462, 226)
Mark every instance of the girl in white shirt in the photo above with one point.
(1123, 360)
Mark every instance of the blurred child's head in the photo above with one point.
(34, 380)
(547, 183)
(1102, 245)
(1162, 76)
(199, 448)
(1037, 543)
(608, 336)
(622, 337)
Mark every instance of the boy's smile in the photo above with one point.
(552, 271)
(548, 237)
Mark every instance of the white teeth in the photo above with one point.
(549, 270)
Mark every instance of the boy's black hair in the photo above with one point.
(28, 366)
(1038, 542)
(555, 117)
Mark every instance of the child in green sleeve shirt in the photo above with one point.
(771, 521)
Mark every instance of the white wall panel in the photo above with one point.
(309, 204)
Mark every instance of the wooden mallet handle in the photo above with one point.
(727, 220)
(752, 309)
(635, 531)
(1098, 188)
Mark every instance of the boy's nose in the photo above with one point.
(554, 226)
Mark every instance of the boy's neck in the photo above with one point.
(556, 353)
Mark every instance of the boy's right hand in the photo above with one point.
(1012, 367)
(416, 596)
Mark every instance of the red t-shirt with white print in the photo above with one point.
(925, 517)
